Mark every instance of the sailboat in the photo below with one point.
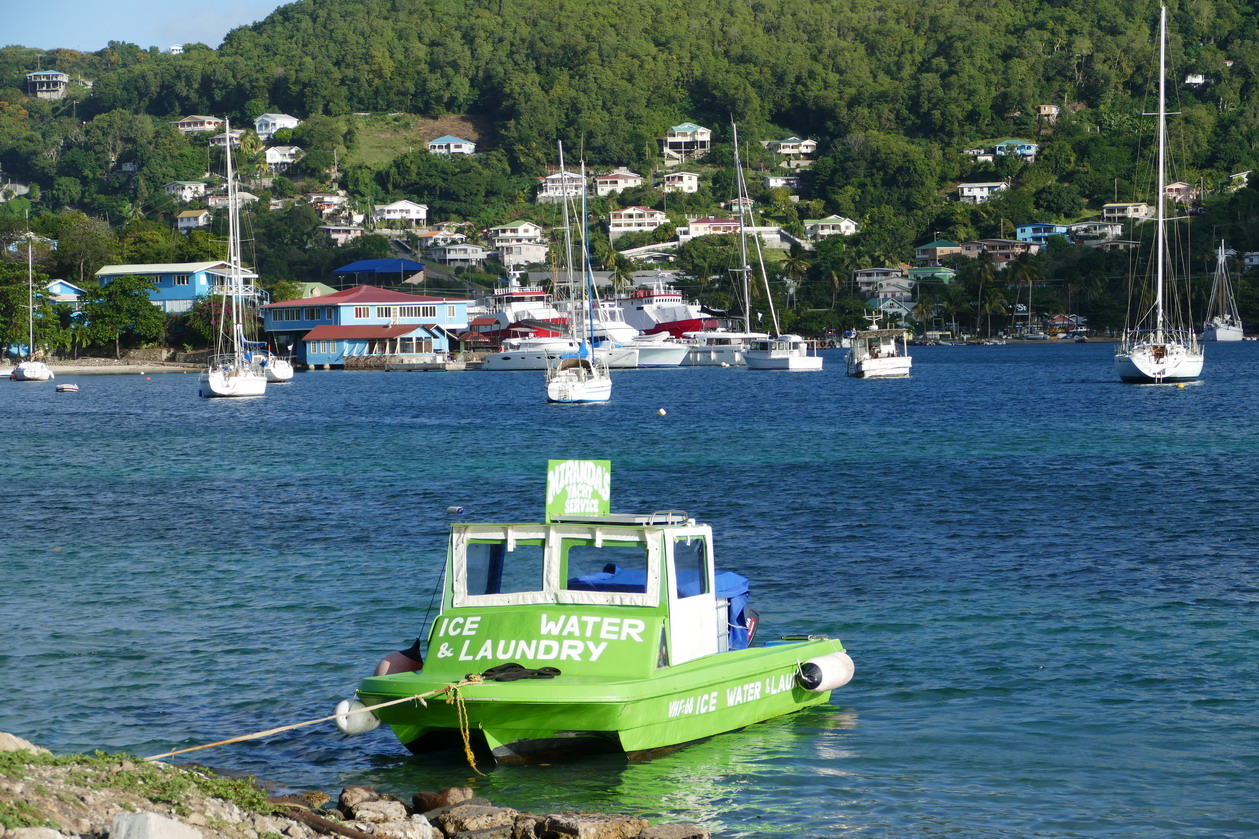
(230, 371)
(581, 375)
(775, 351)
(1223, 323)
(32, 369)
(277, 369)
(1157, 347)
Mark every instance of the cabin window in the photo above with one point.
(492, 569)
(611, 566)
(690, 562)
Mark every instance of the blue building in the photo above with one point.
(180, 284)
(1023, 148)
(1040, 232)
(365, 321)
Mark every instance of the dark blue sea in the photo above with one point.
(1048, 579)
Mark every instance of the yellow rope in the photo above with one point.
(461, 711)
(420, 697)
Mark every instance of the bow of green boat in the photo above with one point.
(592, 631)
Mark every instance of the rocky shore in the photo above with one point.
(99, 796)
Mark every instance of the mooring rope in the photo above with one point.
(420, 697)
(454, 696)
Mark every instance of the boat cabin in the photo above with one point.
(607, 596)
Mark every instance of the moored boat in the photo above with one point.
(67, 387)
(590, 631)
(879, 353)
(1223, 322)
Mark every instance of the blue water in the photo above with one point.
(1047, 579)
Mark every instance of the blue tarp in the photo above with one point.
(381, 266)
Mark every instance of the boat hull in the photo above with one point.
(1150, 363)
(277, 370)
(528, 719)
(223, 382)
(32, 371)
(880, 368)
(1222, 332)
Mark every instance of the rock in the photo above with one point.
(150, 826)
(13, 743)
(590, 826)
(674, 831)
(33, 833)
(416, 827)
(378, 812)
(425, 801)
(351, 796)
(432, 815)
(467, 817)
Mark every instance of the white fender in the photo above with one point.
(353, 719)
(826, 672)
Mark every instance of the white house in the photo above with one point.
(1103, 230)
(402, 210)
(191, 220)
(681, 182)
(1251, 260)
(185, 190)
(617, 181)
(708, 226)
(340, 234)
(280, 158)
(794, 147)
(459, 253)
(686, 140)
(832, 225)
(448, 144)
(782, 181)
(47, 84)
(634, 220)
(519, 243)
(978, 193)
(561, 185)
(268, 124)
(233, 137)
(219, 199)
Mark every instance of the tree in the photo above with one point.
(123, 308)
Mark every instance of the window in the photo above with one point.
(363, 312)
(385, 312)
(492, 569)
(614, 566)
(690, 562)
(179, 279)
(451, 312)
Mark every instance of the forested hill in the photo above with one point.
(611, 75)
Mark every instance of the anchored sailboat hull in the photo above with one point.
(230, 380)
(1222, 332)
(1148, 362)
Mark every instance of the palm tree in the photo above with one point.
(995, 302)
(925, 309)
(1024, 270)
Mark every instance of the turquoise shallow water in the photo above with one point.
(1047, 579)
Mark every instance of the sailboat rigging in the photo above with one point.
(32, 369)
(230, 372)
(1160, 346)
(1223, 322)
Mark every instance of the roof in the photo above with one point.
(380, 266)
(365, 295)
(159, 268)
(192, 213)
(449, 138)
(940, 243)
(333, 332)
(688, 126)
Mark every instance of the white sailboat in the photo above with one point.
(1223, 323)
(32, 369)
(775, 351)
(1160, 346)
(581, 375)
(277, 369)
(878, 353)
(230, 372)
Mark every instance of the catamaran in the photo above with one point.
(1160, 345)
(590, 632)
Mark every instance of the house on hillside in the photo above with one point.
(1040, 232)
(47, 84)
(708, 226)
(185, 190)
(518, 243)
(402, 211)
(219, 199)
(459, 253)
(233, 137)
(617, 181)
(191, 220)
(979, 193)
(1181, 192)
(281, 158)
(179, 285)
(634, 220)
(832, 225)
(448, 144)
(932, 252)
(686, 141)
(341, 234)
(1094, 230)
(555, 187)
(366, 324)
(1048, 113)
(1001, 250)
(680, 182)
(65, 293)
(268, 124)
(782, 181)
(1022, 148)
(793, 147)
(1126, 210)
(198, 122)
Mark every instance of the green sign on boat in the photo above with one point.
(578, 488)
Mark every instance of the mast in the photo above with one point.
(744, 267)
(574, 319)
(1160, 240)
(30, 297)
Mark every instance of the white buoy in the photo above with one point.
(349, 722)
(454, 511)
(661, 412)
(826, 672)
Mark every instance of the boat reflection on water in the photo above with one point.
(758, 781)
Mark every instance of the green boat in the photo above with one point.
(590, 632)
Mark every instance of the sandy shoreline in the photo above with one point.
(88, 366)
